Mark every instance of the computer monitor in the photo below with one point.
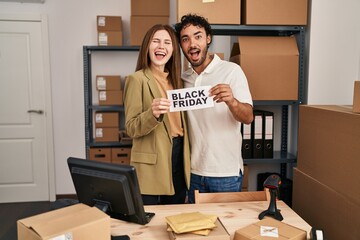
(113, 188)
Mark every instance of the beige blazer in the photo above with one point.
(152, 141)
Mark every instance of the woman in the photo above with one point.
(160, 151)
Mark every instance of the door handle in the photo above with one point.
(35, 111)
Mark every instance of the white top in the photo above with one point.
(215, 135)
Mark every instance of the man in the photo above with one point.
(216, 161)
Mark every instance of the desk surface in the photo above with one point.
(232, 215)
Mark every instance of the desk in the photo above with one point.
(232, 215)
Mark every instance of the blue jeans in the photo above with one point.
(214, 184)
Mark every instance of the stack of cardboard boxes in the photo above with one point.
(327, 180)
(107, 123)
(109, 30)
(145, 14)
(247, 12)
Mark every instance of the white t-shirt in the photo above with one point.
(215, 135)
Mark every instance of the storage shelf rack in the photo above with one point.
(282, 156)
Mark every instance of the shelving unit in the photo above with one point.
(282, 157)
(89, 107)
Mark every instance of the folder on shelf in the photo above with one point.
(246, 148)
(268, 134)
(257, 133)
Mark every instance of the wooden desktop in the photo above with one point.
(232, 215)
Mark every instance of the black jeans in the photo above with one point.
(178, 177)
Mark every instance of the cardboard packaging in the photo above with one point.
(110, 38)
(121, 155)
(108, 82)
(274, 12)
(139, 25)
(356, 102)
(271, 65)
(215, 11)
(110, 31)
(269, 228)
(107, 134)
(329, 147)
(107, 119)
(110, 98)
(100, 154)
(75, 222)
(325, 208)
(150, 8)
(218, 233)
(109, 23)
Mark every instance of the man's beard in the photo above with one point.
(200, 61)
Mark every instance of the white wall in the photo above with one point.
(334, 59)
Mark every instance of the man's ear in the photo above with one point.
(208, 39)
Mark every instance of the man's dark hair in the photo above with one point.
(193, 19)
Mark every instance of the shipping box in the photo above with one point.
(329, 147)
(150, 8)
(107, 119)
(218, 233)
(110, 98)
(109, 30)
(121, 155)
(356, 102)
(216, 11)
(74, 222)
(108, 134)
(108, 82)
(274, 12)
(110, 38)
(109, 23)
(269, 228)
(325, 208)
(271, 65)
(139, 25)
(100, 154)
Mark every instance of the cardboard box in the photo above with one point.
(108, 82)
(271, 65)
(109, 23)
(107, 134)
(356, 102)
(100, 154)
(121, 155)
(75, 222)
(329, 147)
(110, 98)
(107, 119)
(110, 38)
(274, 12)
(139, 25)
(215, 11)
(218, 233)
(269, 228)
(325, 208)
(150, 8)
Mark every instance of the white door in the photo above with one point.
(26, 145)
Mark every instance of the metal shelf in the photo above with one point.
(248, 30)
(109, 144)
(89, 107)
(279, 157)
